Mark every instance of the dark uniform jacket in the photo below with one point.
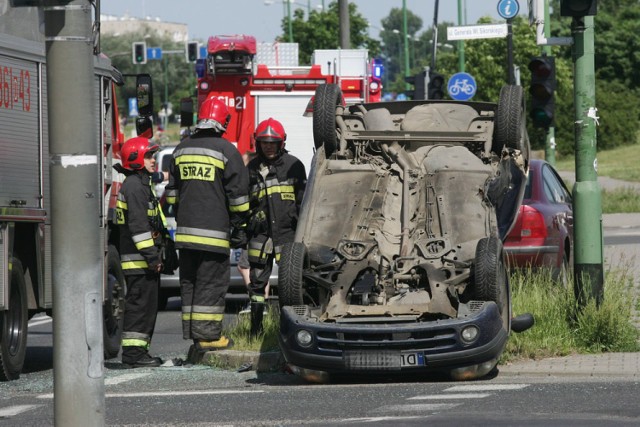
(208, 183)
(275, 190)
(140, 222)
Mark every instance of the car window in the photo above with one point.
(553, 188)
(527, 189)
(166, 161)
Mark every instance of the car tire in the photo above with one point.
(163, 299)
(14, 325)
(325, 101)
(113, 310)
(563, 274)
(293, 260)
(510, 124)
(490, 279)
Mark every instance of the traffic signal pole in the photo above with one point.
(587, 207)
(550, 143)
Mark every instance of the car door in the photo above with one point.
(560, 226)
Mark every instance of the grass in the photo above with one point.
(619, 163)
(563, 328)
(239, 331)
(623, 200)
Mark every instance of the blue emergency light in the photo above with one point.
(378, 68)
(201, 67)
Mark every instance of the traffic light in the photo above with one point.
(543, 85)
(435, 90)
(192, 51)
(417, 81)
(139, 52)
(578, 7)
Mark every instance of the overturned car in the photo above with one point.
(397, 264)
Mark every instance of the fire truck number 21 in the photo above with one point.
(15, 89)
(238, 102)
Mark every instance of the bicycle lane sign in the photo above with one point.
(461, 86)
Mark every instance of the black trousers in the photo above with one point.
(140, 313)
(259, 275)
(204, 280)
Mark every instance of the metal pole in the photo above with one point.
(434, 47)
(77, 255)
(460, 42)
(587, 207)
(406, 46)
(550, 143)
(510, 74)
(290, 24)
(166, 93)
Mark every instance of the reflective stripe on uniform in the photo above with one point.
(133, 261)
(143, 240)
(202, 236)
(203, 313)
(171, 196)
(135, 339)
(240, 204)
(257, 298)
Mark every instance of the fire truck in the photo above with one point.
(25, 204)
(262, 80)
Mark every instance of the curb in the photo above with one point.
(230, 359)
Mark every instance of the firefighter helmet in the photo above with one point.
(213, 114)
(134, 150)
(270, 130)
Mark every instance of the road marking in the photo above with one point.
(487, 387)
(167, 393)
(15, 410)
(377, 419)
(419, 407)
(40, 321)
(124, 378)
(452, 396)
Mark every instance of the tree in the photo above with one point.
(321, 31)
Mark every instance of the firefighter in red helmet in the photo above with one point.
(141, 225)
(277, 182)
(208, 183)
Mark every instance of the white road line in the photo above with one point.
(40, 321)
(124, 378)
(15, 410)
(451, 396)
(377, 419)
(419, 407)
(167, 393)
(487, 387)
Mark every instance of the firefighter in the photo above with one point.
(208, 183)
(276, 185)
(141, 226)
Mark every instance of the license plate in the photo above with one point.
(409, 359)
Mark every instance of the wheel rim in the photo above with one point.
(14, 331)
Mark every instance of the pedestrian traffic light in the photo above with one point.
(192, 51)
(578, 7)
(139, 52)
(435, 89)
(417, 81)
(543, 85)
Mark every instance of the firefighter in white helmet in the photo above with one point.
(140, 222)
(208, 184)
(277, 181)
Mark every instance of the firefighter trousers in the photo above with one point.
(204, 280)
(259, 276)
(140, 313)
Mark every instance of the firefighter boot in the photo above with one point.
(257, 312)
(200, 347)
(139, 357)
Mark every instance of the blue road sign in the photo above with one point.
(508, 8)
(203, 52)
(133, 107)
(154, 53)
(461, 86)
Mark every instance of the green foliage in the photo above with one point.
(625, 200)
(267, 341)
(563, 328)
(321, 31)
(172, 70)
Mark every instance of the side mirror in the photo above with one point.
(186, 112)
(144, 127)
(144, 94)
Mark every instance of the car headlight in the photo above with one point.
(469, 334)
(304, 338)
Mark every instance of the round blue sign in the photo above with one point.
(508, 8)
(461, 86)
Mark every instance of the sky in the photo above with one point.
(262, 18)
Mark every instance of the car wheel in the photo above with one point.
(113, 310)
(564, 272)
(163, 299)
(13, 326)
(510, 125)
(325, 101)
(490, 279)
(293, 260)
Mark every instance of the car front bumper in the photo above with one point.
(371, 347)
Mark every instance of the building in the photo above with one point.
(118, 25)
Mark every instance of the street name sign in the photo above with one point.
(467, 32)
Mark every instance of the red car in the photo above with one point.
(542, 236)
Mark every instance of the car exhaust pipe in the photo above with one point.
(522, 322)
(406, 217)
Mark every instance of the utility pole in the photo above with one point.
(406, 47)
(587, 202)
(77, 255)
(343, 10)
(460, 42)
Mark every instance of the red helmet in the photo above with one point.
(213, 114)
(270, 130)
(134, 150)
